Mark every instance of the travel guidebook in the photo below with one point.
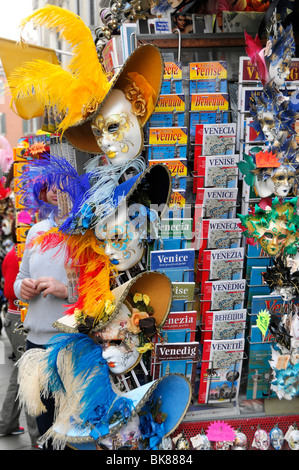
(214, 139)
(222, 295)
(175, 358)
(207, 109)
(224, 324)
(179, 327)
(216, 171)
(208, 76)
(174, 234)
(214, 203)
(222, 264)
(217, 234)
(183, 296)
(167, 142)
(178, 265)
(259, 370)
(178, 170)
(221, 368)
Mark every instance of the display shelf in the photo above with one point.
(248, 426)
(194, 40)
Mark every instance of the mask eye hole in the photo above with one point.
(96, 131)
(269, 235)
(113, 127)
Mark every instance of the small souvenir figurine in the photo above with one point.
(292, 437)
(240, 441)
(200, 442)
(261, 440)
(276, 437)
(181, 442)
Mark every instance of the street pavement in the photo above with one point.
(22, 441)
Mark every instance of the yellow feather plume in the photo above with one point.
(75, 91)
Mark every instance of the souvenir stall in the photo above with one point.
(179, 237)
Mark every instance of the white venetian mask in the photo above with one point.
(119, 344)
(117, 130)
(122, 241)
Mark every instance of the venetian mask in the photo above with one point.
(293, 439)
(276, 438)
(240, 441)
(200, 442)
(122, 241)
(283, 181)
(120, 342)
(279, 71)
(261, 440)
(264, 187)
(117, 129)
(268, 125)
(274, 237)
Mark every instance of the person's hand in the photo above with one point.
(50, 285)
(28, 289)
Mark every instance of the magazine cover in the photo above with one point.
(214, 139)
(224, 324)
(178, 265)
(183, 296)
(221, 264)
(175, 358)
(221, 368)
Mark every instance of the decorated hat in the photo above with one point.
(88, 409)
(77, 92)
(154, 286)
(173, 395)
(152, 187)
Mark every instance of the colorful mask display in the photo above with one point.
(276, 229)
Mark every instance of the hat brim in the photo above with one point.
(175, 392)
(145, 60)
(152, 283)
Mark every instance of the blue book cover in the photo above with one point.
(206, 117)
(173, 260)
(171, 86)
(259, 371)
(166, 120)
(208, 86)
(161, 152)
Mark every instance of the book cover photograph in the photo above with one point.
(221, 369)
